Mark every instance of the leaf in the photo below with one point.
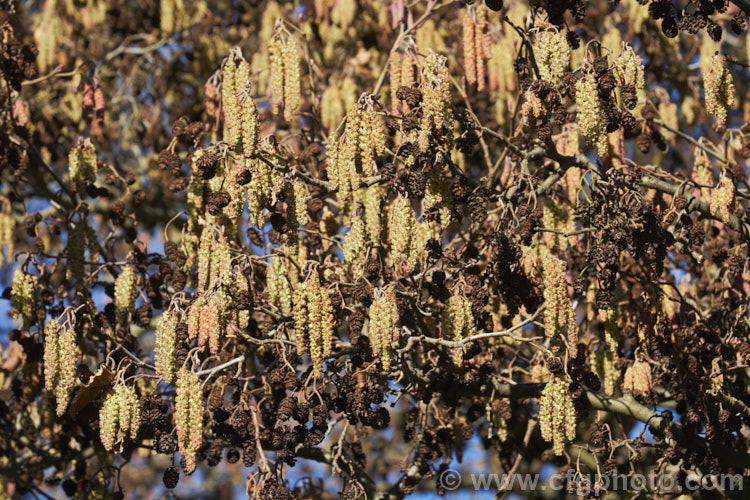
(102, 379)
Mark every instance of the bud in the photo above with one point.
(557, 414)
(457, 324)
(384, 326)
(125, 293)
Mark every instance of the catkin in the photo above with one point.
(126, 292)
(724, 199)
(22, 300)
(557, 414)
(291, 78)
(211, 324)
(558, 310)
(552, 55)
(394, 73)
(165, 345)
(354, 248)
(82, 164)
(384, 326)
(458, 324)
(469, 49)
(590, 115)
(437, 117)
(278, 284)
(7, 230)
(188, 415)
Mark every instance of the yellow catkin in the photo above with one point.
(557, 414)
(558, 309)
(188, 415)
(229, 103)
(481, 44)
(724, 199)
(611, 340)
(22, 298)
(51, 355)
(384, 326)
(82, 164)
(458, 324)
(354, 248)
(437, 117)
(67, 355)
(278, 284)
(372, 199)
(438, 196)
(165, 345)
(291, 78)
(126, 292)
(7, 230)
(552, 55)
(590, 116)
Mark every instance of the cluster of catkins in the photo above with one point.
(598, 112)
(313, 321)
(60, 356)
(401, 70)
(458, 324)
(719, 88)
(285, 73)
(119, 417)
(557, 414)
(188, 416)
(637, 380)
(476, 45)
